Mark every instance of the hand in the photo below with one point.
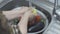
(17, 12)
(24, 21)
(25, 12)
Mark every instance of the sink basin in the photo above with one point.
(18, 3)
(14, 4)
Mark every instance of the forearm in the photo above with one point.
(11, 14)
(23, 24)
(17, 12)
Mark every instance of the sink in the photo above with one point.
(18, 3)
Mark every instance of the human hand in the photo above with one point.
(24, 21)
(25, 12)
(17, 12)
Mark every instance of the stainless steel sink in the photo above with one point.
(18, 3)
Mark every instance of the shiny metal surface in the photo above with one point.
(49, 7)
(4, 2)
(1, 1)
(58, 14)
(46, 23)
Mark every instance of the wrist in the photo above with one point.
(3, 12)
(3, 20)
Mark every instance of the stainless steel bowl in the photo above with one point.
(46, 22)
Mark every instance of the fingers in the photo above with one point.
(21, 9)
(29, 11)
(15, 13)
(24, 21)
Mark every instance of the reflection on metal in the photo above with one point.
(1, 1)
(4, 2)
(46, 23)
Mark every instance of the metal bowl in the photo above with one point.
(46, 22)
